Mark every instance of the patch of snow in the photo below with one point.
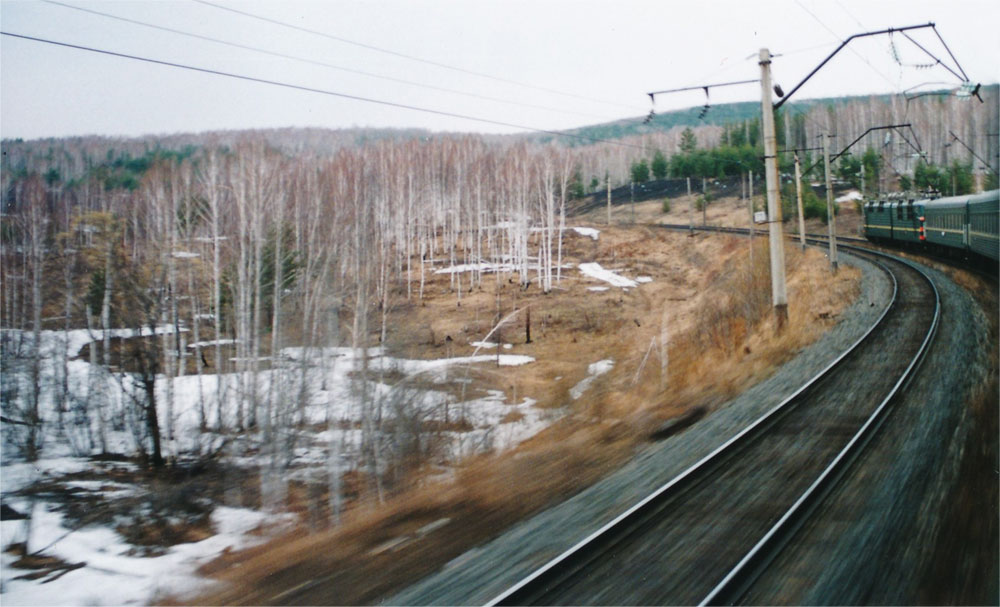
(325, 379)
(473, 267)
(339, 352)
(594, 370)
(483, 344)
(594, 270)
(643, 279)
(106, 488)
(18, 475)
(205, 344)
(112, 575)
(592, 232)
(487, 268)
(598, 289)
(852, 195)
(53, 342)
(413, 367)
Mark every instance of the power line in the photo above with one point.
(840, 48)
(850, 14)
(862, 57)
(955, 137)
(406, 56)
(319, 91)
(316, 62)
(937, 61)
(892, 48)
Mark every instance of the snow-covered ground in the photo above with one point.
(591, 232)
(325, 382)
(111, 572)
(852, 195)
(594, 370)
(594, 270)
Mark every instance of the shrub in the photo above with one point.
(666, 205)
(701, 201)
(813, 207)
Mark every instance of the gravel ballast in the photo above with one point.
(915, 522)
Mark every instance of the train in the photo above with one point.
(959, 226)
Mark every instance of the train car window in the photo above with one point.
(909, 211)
(881, 206)
(899, 210)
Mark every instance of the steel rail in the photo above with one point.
(537, 580)
(746, 571)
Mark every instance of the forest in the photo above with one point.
(228, 255)
(164, 298)
(258, 240)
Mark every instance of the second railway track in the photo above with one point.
(703, 536)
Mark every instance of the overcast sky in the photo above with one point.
(552, 64)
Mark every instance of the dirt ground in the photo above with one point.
(699, 332)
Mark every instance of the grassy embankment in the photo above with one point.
(706, 297)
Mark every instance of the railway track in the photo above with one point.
(704, 536)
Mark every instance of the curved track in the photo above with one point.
(706, 535)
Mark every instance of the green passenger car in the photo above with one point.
(945, 221)
(984, 224)
(958, 225)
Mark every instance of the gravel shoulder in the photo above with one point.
(482, 573)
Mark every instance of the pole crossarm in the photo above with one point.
(701, 87)
(839, 48)
(862, 135)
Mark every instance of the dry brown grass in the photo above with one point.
(722, 340)
(728, 211)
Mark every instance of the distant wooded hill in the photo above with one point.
(730, 113)
(936, 119)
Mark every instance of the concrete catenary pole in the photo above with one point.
(798, 200)
(753, 231)
(831, 222)
(779, 295)
(607, 178)
(690, 209)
